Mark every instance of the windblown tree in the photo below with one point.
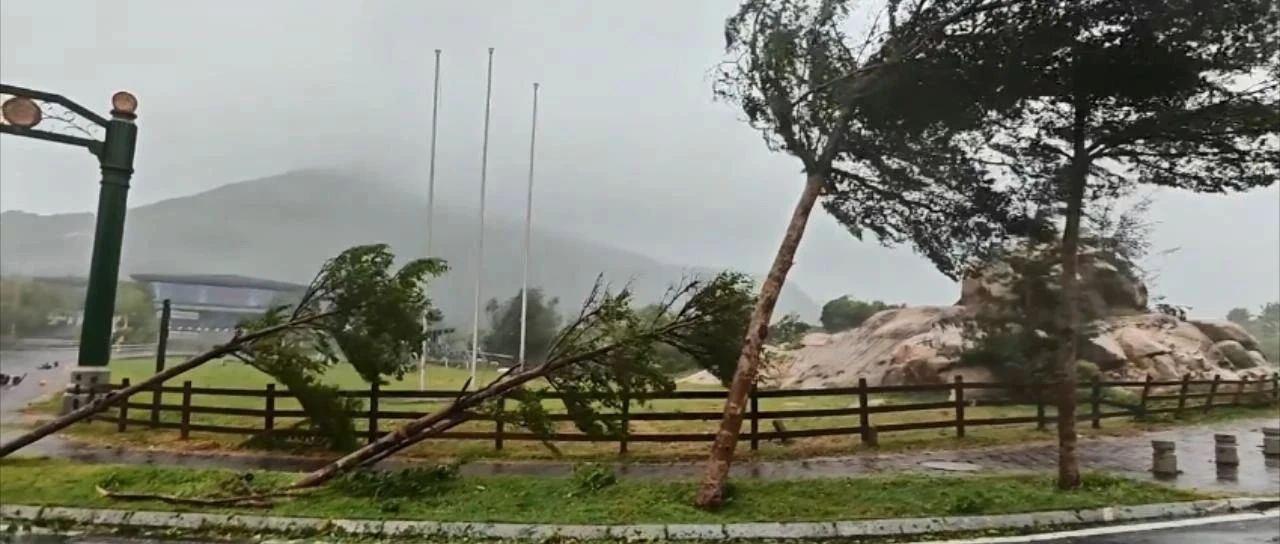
(874, 132)
(504, 326)
(1089, 97)
(356, 311)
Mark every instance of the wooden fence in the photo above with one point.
(1153, 397)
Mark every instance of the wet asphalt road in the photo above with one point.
(1265, 531)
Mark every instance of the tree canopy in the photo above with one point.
(1086, 98)
(504, 325)
(846, 312)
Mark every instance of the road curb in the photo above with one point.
(1032, 521)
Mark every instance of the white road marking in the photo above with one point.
(1115, 530)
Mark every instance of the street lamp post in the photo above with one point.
(23, 110)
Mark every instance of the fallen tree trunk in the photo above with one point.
(435, 423)
(122, 395)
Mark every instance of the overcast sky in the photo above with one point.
(632, 148)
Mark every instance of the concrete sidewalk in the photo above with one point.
(905, 527)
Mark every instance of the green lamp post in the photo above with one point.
(22, 110)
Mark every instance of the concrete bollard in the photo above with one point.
(1224, 450)
(1164, 461)
(1271, 441)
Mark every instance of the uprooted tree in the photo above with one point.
(358, 310)
(608, 353)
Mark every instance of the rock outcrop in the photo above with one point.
(923, 344)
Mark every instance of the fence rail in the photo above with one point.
(1191, 395)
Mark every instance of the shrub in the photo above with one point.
(410, 483)
(592, 477)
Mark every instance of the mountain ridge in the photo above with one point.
(284, 226)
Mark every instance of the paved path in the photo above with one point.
(1122, 455)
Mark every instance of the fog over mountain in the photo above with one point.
(634, 155)
(284, 227)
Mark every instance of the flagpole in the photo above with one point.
(431, 208)
(528, 224)
(484, 171)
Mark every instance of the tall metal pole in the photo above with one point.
(431, 208)
(116, 162)
(484, 170)
(528, 226)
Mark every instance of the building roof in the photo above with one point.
(219, 280)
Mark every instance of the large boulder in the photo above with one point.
(923, 344)
(1107, 286)
(901, 345)
(1236, 354)
(1221, 330)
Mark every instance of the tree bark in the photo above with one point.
(1077, 179)
(711, 494)
(146, 385)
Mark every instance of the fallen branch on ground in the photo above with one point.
(257, 500)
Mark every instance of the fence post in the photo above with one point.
(121, 424)
(755, 419)
(185, 428)
(269, 416)
(1146, 391)
(499, 424)
(162, 347)
(373, 411)
(1095, 403)
(1240, 387)
(1262, 391)
(75, 400)
(959, 388)
(1041, 420)
(1182, 394)
(864, 417)
(626, 420)
(1213, 392)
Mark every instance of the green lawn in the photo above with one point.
(233, 374)
(564, 500)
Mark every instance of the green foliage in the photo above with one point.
(874, 120)
(714, 340)
(504, 326)
(377, 323)
(27, 304)
(1020, 339)
(612, 354)
(788, 330)
(592, 477)
(358, 312)
(525, 499)
(411, 483)
(1265, 326)
(844, 313)
(134, 303)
